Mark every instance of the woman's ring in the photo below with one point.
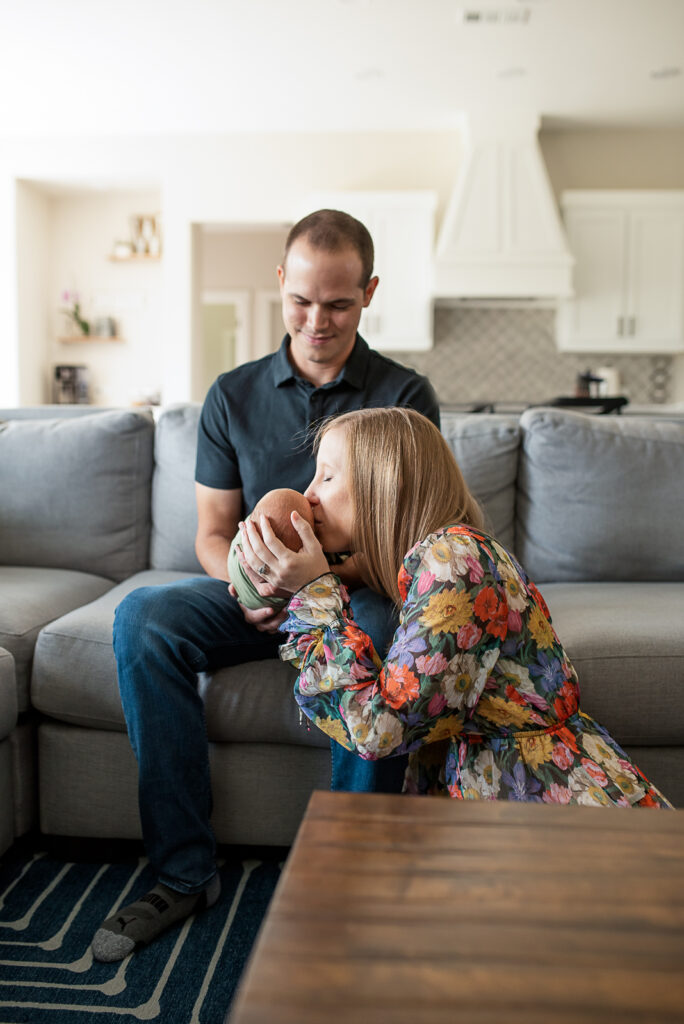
(263, 570)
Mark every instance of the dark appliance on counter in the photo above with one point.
(70, 385)
(599, 406)
(588, 385)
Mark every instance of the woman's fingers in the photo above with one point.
(275, 564)
(305, 531)
(256, 552)
(272, 542)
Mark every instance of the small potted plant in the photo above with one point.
(73, 311)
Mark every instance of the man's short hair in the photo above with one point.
(332, 231)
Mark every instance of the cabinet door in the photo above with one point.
(655, 321)
(402, 227)
(629, 273)
(595, 318)
(400, 315)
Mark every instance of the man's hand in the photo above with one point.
(263, 619)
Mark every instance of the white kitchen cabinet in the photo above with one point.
(402, 225)
(629, 272)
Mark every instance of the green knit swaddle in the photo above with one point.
(247, 593)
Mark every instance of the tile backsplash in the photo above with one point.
(507, 354)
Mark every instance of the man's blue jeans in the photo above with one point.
(163, 637)
(377, 617)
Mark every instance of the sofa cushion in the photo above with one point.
(486, 449)
(31, 597)
(51, 412)
(88, 787)
(600, 498)
(627, 645)
(74, 669)
(74, 680)
(76, 492)
(8, 694)
(174, 512)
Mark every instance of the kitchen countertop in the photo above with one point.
(669, 410)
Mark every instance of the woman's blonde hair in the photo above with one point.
(405, 483)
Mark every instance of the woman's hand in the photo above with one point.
(273, 564)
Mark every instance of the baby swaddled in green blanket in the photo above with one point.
(277, 506)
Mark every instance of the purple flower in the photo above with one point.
(414, 718)
(548, 671)
(522, 786)
(406, 645)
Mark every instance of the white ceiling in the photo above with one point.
(121, 67)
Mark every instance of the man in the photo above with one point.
(254, 435)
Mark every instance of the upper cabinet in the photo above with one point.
(402, 225)
(629, 272)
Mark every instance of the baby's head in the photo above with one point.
(277, 505)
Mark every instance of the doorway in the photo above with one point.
(225, 333)
(269, 328)
(237, 313)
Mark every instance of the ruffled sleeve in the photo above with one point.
(436, 667)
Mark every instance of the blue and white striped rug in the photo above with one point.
(50, 909)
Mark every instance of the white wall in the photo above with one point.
(33, 276)
(246, 179)
(30, 171)
(241, 259)
(84, 227)
(614, 159)
(257, 179)
(9, 297)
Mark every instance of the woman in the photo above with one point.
(476, 686)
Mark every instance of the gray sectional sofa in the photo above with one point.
(95, 503)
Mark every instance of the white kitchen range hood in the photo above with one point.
(502, 237)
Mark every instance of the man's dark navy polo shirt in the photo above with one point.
(255, 428)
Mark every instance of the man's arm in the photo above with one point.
(218, 515)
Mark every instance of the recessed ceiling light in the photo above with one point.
(369, 74)
(512, 73)
(666, 72)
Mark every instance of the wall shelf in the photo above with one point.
(75, 339)
(136, 257)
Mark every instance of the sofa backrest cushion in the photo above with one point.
(174, 510)
(486, 448)
(75, 492)
(600, 497)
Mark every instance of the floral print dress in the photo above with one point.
(476, 686)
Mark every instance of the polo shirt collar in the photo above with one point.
(353, 372)
(282, 368)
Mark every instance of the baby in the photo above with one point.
(277, 505)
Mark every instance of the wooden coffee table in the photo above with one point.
(423, 910)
